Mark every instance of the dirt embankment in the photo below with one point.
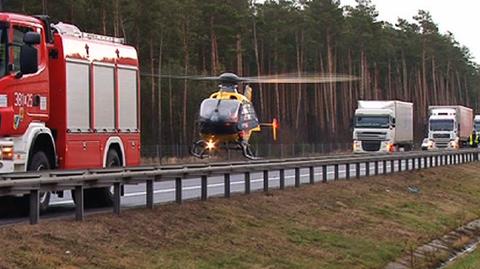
(347, 224)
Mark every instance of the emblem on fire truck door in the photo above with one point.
(18, 118)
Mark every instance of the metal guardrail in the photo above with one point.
(79, 180)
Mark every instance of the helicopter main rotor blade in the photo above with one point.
(205, 78)
(300, 79)
(270, 79)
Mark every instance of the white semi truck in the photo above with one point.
(383, 126)
(449, 127)
(476, 124)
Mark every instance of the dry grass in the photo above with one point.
(347, 224)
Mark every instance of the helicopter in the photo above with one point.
(227, 118)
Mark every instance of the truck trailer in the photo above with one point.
(68, 100)
(449, 127)
(383, 126)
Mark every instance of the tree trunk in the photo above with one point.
(239, 55)
(186, 59)
(257, 62)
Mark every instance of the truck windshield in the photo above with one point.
(372, 122)
(3, 50)
(441, 125)
(476, 126)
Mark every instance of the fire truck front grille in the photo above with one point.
(371, 145)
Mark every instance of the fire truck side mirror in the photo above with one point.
(31, 38)
(28, 60)
(29, 54)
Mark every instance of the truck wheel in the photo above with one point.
(103, 197)
(39, 161)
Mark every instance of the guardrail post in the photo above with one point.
(117, 196)
(297, 177)
(407, 164)
(384, 164)
(34, 206)
(451, 158)
(357, 170)
(324, 173)
(312, 175)
(436, 160)
(414, 163)
(376, 168)
(282, 179)
(204, 190)
(399, 165)
(431, 161)
(178, 190)
(265, 180)
(79, 204)
(247, 182)
(424, 163)
(347, 170)
(149, 190)
(392, 166)
(226, 185)
(335, 172)
(367, 169)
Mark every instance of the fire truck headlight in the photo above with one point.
(7, 153)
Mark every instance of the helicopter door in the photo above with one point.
(248, 118)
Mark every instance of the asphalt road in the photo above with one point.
(135, 195)
(164, 192)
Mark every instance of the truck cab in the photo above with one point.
(24, 91)
(382, 126)
(449, 127)
(476, 124)
(373, 130)
(443, 129)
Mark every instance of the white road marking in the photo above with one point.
(133, 194)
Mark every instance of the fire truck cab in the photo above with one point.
(68, 99)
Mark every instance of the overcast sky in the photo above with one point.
(460, 17)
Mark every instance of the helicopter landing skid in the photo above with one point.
(199, 149)
(247, 151)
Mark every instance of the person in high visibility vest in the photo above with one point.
(473, 141)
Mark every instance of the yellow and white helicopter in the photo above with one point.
(227, 118)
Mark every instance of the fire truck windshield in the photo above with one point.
(3, 51)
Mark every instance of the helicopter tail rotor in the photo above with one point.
(274, 125)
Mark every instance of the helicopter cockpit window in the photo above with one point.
(228, 87)
(221, 110)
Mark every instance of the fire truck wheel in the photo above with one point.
(103, 197)
(39, 161)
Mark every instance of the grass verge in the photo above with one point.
(346, 224)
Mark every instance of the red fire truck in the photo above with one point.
(68, 99)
